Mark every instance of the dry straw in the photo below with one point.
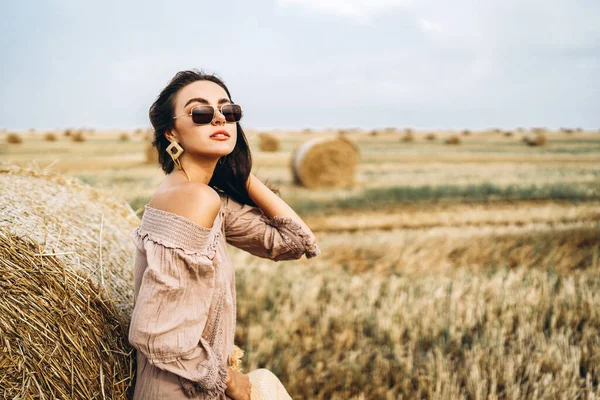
(67, 288)
(78, 136)
(151, 153)
(568, 131)
(325, 163)
(268, 142)
(537, 138)
(454, 139)
(408, 136)
(14, 138)
(351, 142)
(50, 137)
(235, 361)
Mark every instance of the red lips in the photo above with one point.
(220, 131)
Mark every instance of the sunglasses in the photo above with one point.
(202, 115)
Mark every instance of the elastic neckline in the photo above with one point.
(176, 231)
(191, 224)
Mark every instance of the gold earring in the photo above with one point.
(175, 150)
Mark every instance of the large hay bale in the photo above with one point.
(50, 137)
(268, 142)
(568, 131)
(124, 137)
(408, 136)
(78, 136)
(454, 139)
(67, 288)
(151, 153)
(325, 163)
(534, 139)
(430, 136)
(14, 138)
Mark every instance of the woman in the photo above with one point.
(183, 320)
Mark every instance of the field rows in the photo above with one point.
(460, 216)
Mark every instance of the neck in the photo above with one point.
(197, 170)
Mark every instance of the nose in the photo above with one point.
(218, 118)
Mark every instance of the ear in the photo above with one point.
(170, 136)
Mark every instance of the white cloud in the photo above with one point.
(361, 11)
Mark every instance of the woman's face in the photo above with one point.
(196, 139)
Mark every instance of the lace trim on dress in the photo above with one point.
(215, 322)
(215, 379)
(297, 238)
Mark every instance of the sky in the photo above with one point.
(295, 64)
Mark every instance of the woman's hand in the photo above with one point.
(238, 386)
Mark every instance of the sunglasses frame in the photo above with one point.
(214, 113)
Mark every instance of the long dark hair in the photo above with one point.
(232, 170)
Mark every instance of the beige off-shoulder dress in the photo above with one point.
(184, 314)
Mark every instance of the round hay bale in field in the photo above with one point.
(534, 139)
(325, 163)
(454, 139)
(50, 137)
(151, 153)
(67, 288)
(268, 142)
(508, 133)
(568, 131)
(408, 136)
(430, 136)
(14, 138)
(124, 137)
(78, 137)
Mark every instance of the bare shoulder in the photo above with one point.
(195, 201)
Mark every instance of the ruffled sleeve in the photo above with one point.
(277, 238)
(173, 300)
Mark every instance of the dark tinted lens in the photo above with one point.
(202, 114)
(232, 112)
